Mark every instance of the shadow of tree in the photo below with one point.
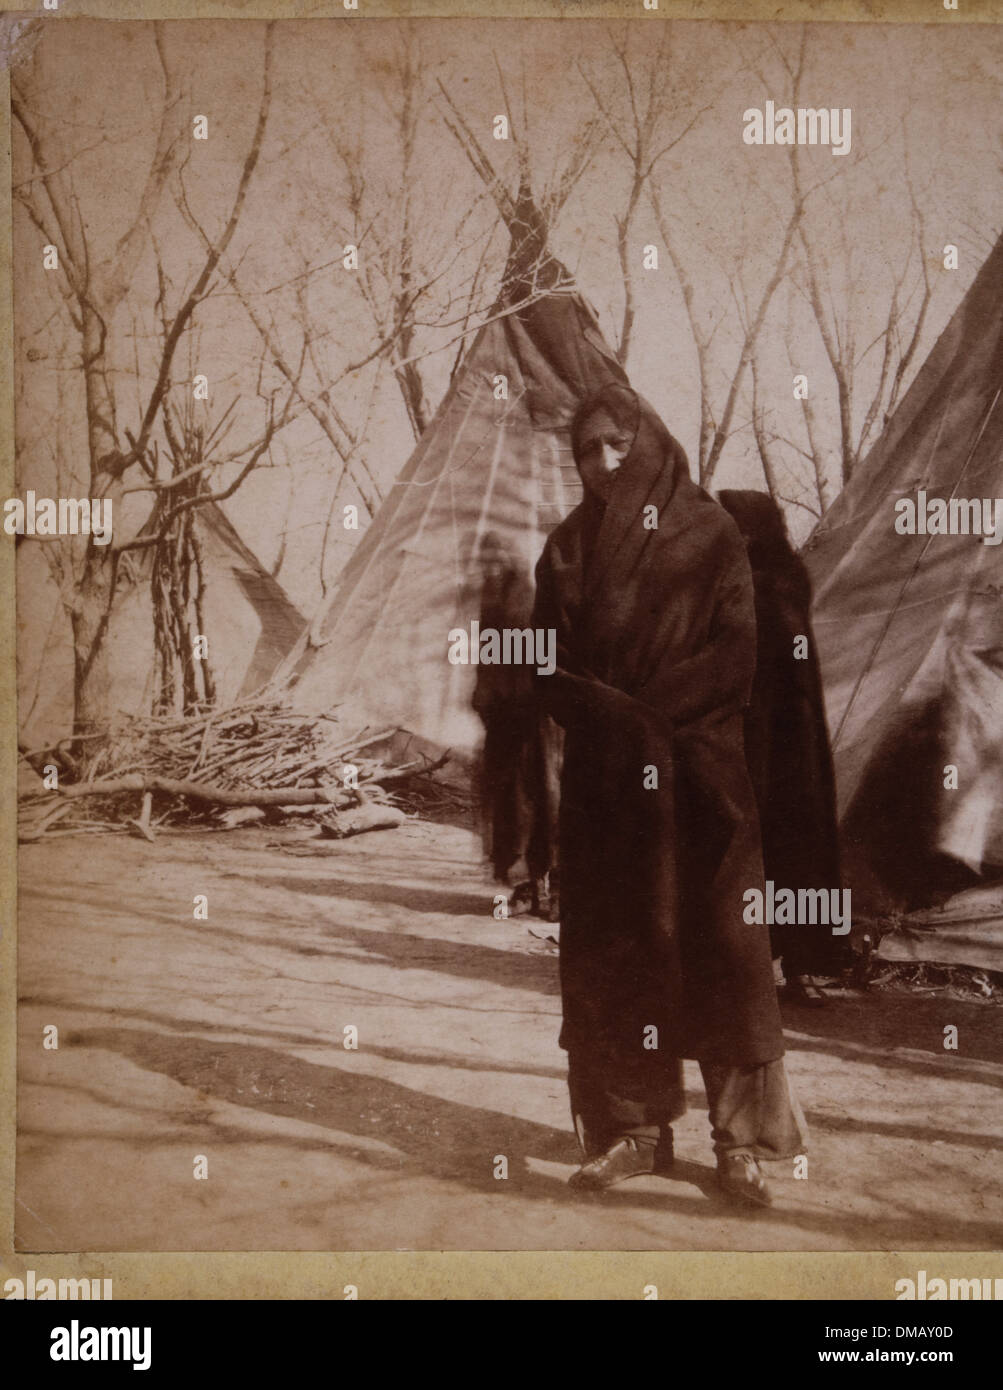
(456, 901)
(874, 1027)
(177, 1023)
(457, 1142)
(467, 960)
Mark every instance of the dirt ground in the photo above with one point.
(224, 1038)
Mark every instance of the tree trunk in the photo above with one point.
(90, 619)
(102, 437)
(92, 604)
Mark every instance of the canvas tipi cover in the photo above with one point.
(251, 624)
(495, 458)
(910, 627)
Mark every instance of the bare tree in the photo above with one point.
(417, 280)
(190, 473)
(392, 237)
(870, 343)
(647, 113)
(838, 314)
(93, 289)
(783, 483)
(529, 200)
(720, 394)
(413, 249)
(94, 286)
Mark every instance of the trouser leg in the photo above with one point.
(613, 1099)
(753, 1110)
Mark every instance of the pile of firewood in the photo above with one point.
(255, 760)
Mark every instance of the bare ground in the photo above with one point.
(224, 1038)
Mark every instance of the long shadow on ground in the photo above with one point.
(873, 1026)
(459, 1142)
(452, 901)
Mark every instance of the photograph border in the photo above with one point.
(481, 1275)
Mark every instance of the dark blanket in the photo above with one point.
(786, 739)
(520, 760)
(656, 652)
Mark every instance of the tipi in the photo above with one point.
(251, 625)
(494, 459)
(910, 628)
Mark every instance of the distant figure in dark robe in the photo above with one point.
(787, 743)
(647, 585)
(520, 764)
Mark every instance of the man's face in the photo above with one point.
(602, 447)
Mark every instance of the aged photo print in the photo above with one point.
(508, 530)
